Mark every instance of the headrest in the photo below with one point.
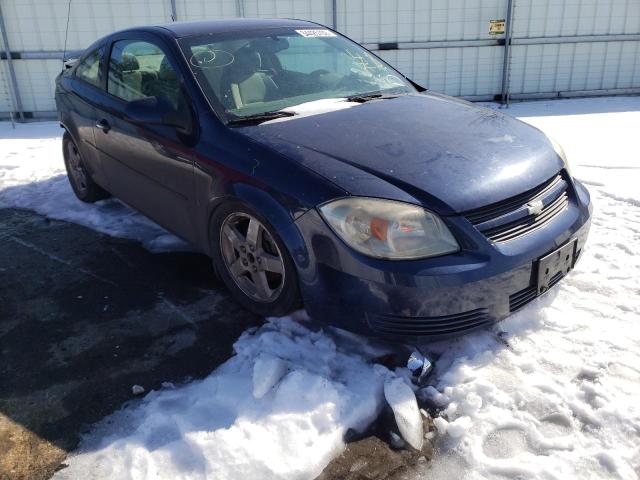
(166, 72)
(128, 63)
(246, 63)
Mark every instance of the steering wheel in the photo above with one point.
(316, 73)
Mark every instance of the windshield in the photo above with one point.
(252, 73)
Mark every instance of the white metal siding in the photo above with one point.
(574, 66)
(371, 21)
(470, 71)
(40, 24)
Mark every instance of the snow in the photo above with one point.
(402, 401)
(267, 371)
(555, 396)
(217, 427)
(314, 107)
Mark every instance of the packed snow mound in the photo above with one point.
(33, 176)
(402, 401)
(557, 396)
(217, 428)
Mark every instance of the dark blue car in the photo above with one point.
(315, 174)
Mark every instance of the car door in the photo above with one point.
(150, 167)
(86, 87)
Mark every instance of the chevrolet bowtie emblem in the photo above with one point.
(534, 208)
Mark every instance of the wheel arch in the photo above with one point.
(68, 131)
(279, 217)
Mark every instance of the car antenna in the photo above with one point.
(66, 34)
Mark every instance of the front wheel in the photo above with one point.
(253, 262)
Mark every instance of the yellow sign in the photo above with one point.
(496, 27)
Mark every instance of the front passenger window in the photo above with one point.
(139, 70)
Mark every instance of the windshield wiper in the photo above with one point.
(260, 117)
(365, 97)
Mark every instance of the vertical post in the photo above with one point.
(506, 63)
(174, 11)
(240, 8)
(334, 14)
(12, 73)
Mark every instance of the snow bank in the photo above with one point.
(33, 176)
(217, 428)
(561, 397)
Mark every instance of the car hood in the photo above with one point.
(445, 153)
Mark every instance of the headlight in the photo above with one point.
(560, 151)
(388, 229)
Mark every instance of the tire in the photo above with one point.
(81, 182)
(240, 269)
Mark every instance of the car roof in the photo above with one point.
(205, 27)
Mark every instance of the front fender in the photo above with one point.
(275, 213)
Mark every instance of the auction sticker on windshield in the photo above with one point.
(320, 32)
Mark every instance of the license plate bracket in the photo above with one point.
(555, 265)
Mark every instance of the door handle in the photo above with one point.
(103, 125)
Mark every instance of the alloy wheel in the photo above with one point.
(252, 257)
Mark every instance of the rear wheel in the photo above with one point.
(253, 262)
(82, 184)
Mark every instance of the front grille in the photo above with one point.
(521, 298)
(553, 192)
(440, 325)
(555, 279)
(518, 228)
(524, 296)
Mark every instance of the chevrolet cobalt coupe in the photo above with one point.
(315, 174)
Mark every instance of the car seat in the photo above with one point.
(125, 80)
(243, 83)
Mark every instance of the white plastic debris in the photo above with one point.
(267, 371)
(420, 366)
(403, 402)
(415, 361)
(137, 390)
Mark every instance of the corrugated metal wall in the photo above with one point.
(455, 70)
(560, 47)
(575, 66)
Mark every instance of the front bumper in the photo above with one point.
(437, 297)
